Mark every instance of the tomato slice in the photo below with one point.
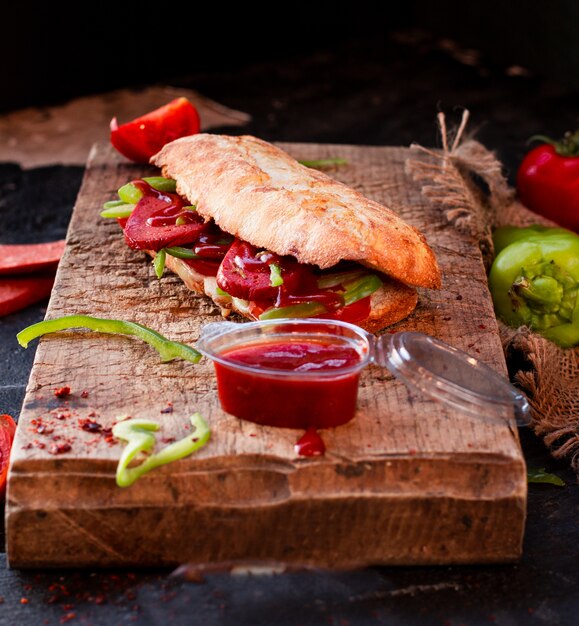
(153, 223)
(144, 136)
(7, 431)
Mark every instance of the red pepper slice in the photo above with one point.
(144, 136)
(7, 431)
(152, 224)
(22, 291)
(30, 257)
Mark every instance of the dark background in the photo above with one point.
(345, 72)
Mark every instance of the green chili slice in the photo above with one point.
(275, 277)
(320, 163)
(304, 309)
(181, 253)
(117, 209)
(361, 288)
(168, 350)
(131, 194)
(159, 262)
(160, 183)
(327, 281)
(140, 438)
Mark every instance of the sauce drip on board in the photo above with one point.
(310, 444)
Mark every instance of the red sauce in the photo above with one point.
(310, 444)
(265, 397)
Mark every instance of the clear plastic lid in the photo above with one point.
(425, 364)
(440, 371)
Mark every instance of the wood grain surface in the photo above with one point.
(408, 481)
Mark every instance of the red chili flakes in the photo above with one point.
(62, 392)
(482, 326)
(60, 447)
(23, 600)
(67, 617)
(84, 394)
(168, 408)
(61, 414)
(90, 425)
(40, 427)
(168, 439)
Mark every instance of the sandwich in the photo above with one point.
(241, 221)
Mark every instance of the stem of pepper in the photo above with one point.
(168, 350)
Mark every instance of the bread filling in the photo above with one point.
(260, 282)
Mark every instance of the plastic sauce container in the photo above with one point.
(304, 373)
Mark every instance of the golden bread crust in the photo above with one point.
(259, 193)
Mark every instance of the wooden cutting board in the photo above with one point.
(408, 481)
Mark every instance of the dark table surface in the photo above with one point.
(380, 92)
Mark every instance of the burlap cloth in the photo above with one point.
(466, 181)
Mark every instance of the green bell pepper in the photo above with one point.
(534, 281)
(505, 235)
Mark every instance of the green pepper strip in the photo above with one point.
(167, 349)
(181, 253)
(328, 281)
(131, 195)
(117, 209)
(140, 438)
(159, 262)
(305, 309)
(354, 290)
(275, 277)
(361, 288)
(160, 183)
(317, 163)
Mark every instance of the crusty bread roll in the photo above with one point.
(259, 193)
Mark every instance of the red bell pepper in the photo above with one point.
(19, 292)
(30, 257)
(548, 180)
(7, 430)
(141, 138)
